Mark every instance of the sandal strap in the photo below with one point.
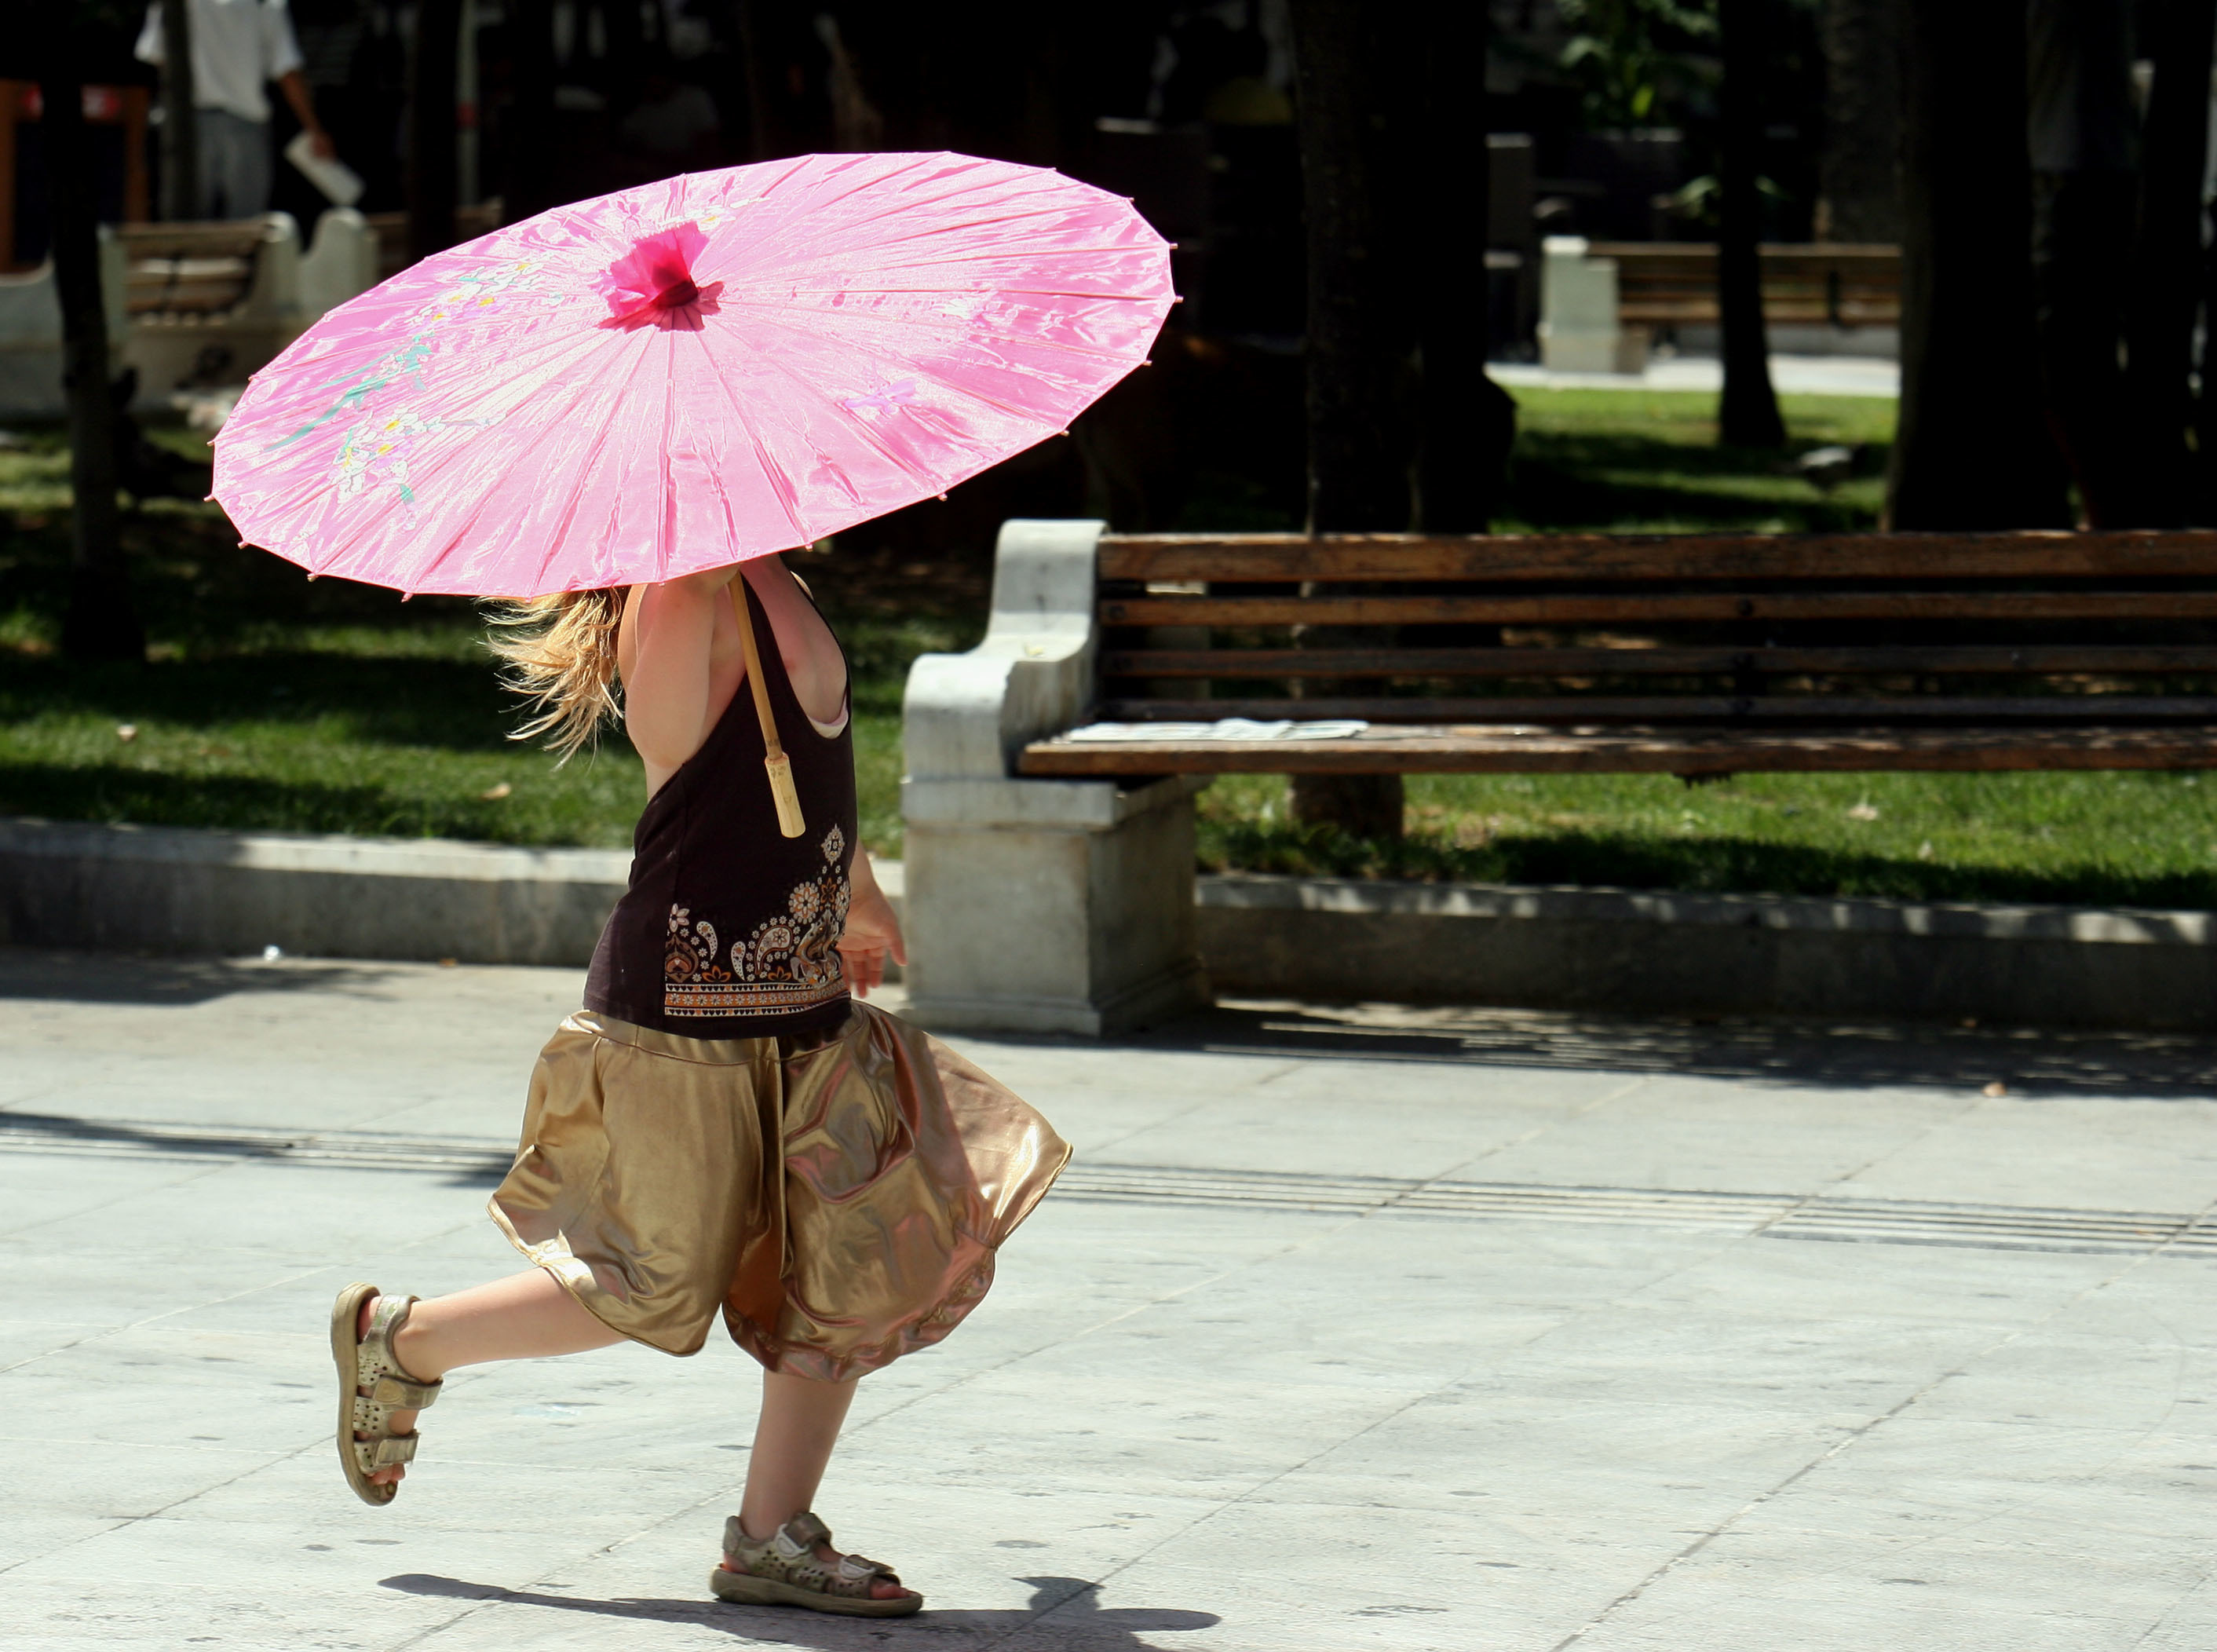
(803, 1533)
(378, 1370)
(860, 1566)
(385, 1453)
(402, 1394)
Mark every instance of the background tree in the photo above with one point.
(2163, 289)
(528, 126)
(1972, 448)
(1465, 422)
(180, 126)
(2080, 131)
(431, 149)
(99, 624)
(1747, 415)
(1358, 338)
(1861, 169)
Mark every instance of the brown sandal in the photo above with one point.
(372, 1386)
(783, 1570)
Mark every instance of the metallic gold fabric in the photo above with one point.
(840, 1198)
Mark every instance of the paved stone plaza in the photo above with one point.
(1447, 1331)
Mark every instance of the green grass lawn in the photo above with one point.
(271, 702)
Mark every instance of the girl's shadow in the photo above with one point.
(1079, 1618)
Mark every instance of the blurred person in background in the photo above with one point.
(238, 47)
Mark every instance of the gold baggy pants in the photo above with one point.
(839, 1197)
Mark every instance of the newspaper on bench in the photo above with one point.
(1227, 728)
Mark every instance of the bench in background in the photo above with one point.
(211, 301)
(1605, 304)
(1050, 879)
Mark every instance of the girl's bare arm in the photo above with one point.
(666, 652)
(681, 658)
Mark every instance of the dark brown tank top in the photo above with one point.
(729, 929)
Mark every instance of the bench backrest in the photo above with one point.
(190, 269)
(1584, 628)
(1667, 283)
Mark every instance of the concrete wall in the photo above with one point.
(167, 889)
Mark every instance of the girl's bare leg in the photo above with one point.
(525, 1316)
(794, 1437)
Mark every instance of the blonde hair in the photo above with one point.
(560, 652)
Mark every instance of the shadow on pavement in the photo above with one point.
(1873, 1054)
(155, 979)
(1074, 1601)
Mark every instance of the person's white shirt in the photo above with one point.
(238, 47)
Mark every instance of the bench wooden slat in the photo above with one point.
(2029, 659)
(1653, 708)
(1509, 750)
(1567, 558)
(1639, 607)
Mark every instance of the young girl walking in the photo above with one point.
(725, 1125)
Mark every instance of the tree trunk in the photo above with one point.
(1972, 449)
(761, 125)
(2081, 126)
(528, 189)
(1747, 416)
(431, 153)
(626, 58)
(2163, 289)
(1860, 198)
(1466, 422)
(99, 624)
(180, 127)
(1358, 448)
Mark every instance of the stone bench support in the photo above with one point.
(1037, 906)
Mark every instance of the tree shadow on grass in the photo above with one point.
(1066, 1611)
(111, 794)
(193, 585)
(1584, 479)
(452, 704)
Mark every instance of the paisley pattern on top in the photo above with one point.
(790, 962)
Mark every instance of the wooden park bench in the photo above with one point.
(211, 301)
(200, 270)
(1665, 285)
(1699, 656)
(1604, 303)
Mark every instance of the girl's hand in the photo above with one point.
(872, 933)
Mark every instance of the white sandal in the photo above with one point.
(373, 1385)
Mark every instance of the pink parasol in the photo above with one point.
(683, 375)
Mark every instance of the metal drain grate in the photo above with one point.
(1766, 1215)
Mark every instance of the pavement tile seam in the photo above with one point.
(185, 1177)
(1833, 1454)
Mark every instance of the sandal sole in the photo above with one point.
(346, 1315)
(743, 1589)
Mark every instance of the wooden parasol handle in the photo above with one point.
(774, 757)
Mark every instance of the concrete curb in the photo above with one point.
(1628, 950)
(180, 889)
(185, 890)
